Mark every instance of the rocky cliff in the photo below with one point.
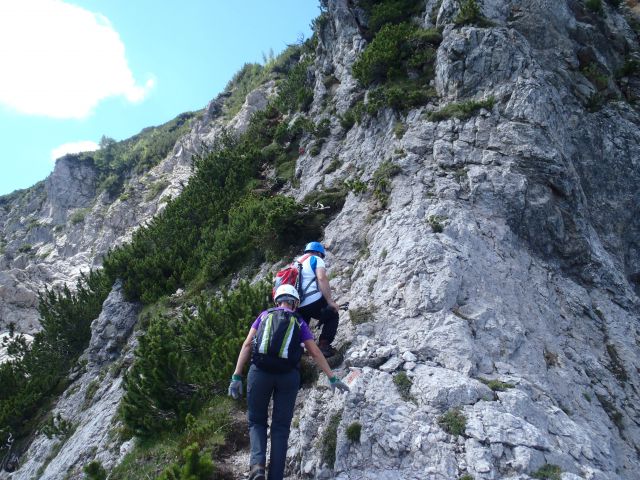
(496, 283)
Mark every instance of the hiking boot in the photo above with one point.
(257, 473)
(327, 350)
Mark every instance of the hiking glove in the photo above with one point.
(235, 387)
(335, 382)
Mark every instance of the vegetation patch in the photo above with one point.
(550, 358)
(470, 14)
(355, 185)
(461, 110)
(57, 426)
(335, 164)
(353, 432)
(616, 366)
(453, 422)
(612, 412)
(37, 371)
(361, 315)
(436, 222)
(594, 6)
(78, 216)
(192, 465)
(329, 440)
(26, 248)
(596, 75)
(548, 472)
(94, 471)
(386, 12)
(213, 431)
(155, 189)
(403, 384)
(92, 388)
(178, 364)
(382, 181)
(398, 62)
(496, 385)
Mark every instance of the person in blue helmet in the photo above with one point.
(316, 296)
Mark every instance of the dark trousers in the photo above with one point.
(326, 316)
(261, 386)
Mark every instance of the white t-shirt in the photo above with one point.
(309, 281)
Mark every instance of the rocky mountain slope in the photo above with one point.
(493, 277)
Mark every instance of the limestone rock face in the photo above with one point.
(532, 281)
(493, 323)
(63, 226)
(90, 403)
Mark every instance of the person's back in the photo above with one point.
(316, 296)
(273, 347)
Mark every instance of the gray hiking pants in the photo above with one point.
(261, 387)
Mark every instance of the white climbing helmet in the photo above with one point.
(287, 293)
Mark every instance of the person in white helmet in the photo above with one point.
(274, 345)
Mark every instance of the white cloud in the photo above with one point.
(73, 147)
(60, 60)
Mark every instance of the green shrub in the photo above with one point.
(57, 426)
(466, 477)
(630, 67)
(436, 223)
(333, 198)
(596, 76)
(356, 185)
(470, 14)
(333, 166)
(179, 364)
(26, 248)
(399, 129)
(353, 432)
(95, 471)
(403, 384)
(394, 51)
(329, 440)
(361, 315)
(295, 92)
(382, 181)
(548, 472)
(90, 392)
(389, 12)
(461, 110)
(322, 128)
(37, 371)
(594, 5)
(78, 216)
(194, 466)
(155, 189)
(347, 120)
(453, 422)
(496, 385)
(595, 102)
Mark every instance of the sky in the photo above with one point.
(72, 71)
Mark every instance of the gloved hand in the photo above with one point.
(335, 382)
(235, 387)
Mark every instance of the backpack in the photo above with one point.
(276, 347)
(292, 275)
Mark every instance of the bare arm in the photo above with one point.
(325, 289)
(245, 352)
(318, 357)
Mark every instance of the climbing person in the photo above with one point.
(316, 296)
(274, 345)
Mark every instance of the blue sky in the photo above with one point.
(75, 70)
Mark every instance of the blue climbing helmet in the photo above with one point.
(315, 247)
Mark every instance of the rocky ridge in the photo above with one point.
(507, 252)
